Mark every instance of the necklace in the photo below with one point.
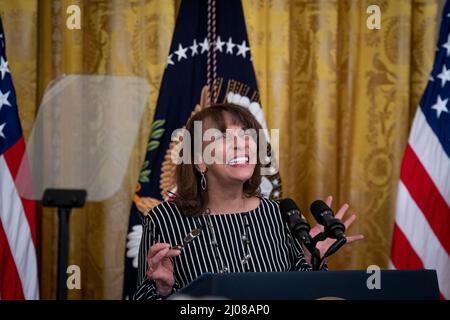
(215, 244)
(245, 238)
(246, 243)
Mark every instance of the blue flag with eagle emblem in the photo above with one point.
(184, 77)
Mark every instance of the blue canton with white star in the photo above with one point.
(435, 102)
(10, 129)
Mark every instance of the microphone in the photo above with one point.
(298, 225)
(300, 229)
(323, 214)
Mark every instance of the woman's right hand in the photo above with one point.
(160, 267)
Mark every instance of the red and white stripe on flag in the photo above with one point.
(421, 237)
(422, 226)
(18, 262)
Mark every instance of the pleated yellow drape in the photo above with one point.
(342, 95)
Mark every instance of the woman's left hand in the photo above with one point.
(323, 246)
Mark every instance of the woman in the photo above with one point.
(240, 231)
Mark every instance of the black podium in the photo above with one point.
(395, 285)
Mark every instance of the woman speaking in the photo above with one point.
(218, 221)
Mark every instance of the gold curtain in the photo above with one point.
(342, 95)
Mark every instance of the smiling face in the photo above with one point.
(226, 146)
(229, 155)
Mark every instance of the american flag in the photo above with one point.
(422, 226)
(18, 263)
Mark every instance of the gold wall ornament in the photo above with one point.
(145, 204)
(167, 180)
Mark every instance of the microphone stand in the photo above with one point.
(315, 259)
(334, 247)
(315, 253)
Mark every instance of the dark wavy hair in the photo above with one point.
(190, 196)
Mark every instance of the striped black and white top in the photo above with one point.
(253, 241)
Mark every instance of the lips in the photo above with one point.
(239, 161)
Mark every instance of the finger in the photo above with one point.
(342, 211)
(159, 270)
(154, 249)
(173, 253)
(329, 200)
(158, 257)
(155, 271)
(316, 230)
(158, 274)
(348, 222)
(355, 238)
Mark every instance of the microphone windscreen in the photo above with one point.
(287, 205)
(317, 207)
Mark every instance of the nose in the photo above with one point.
(240, 142)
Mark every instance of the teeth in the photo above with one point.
(238, 160)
